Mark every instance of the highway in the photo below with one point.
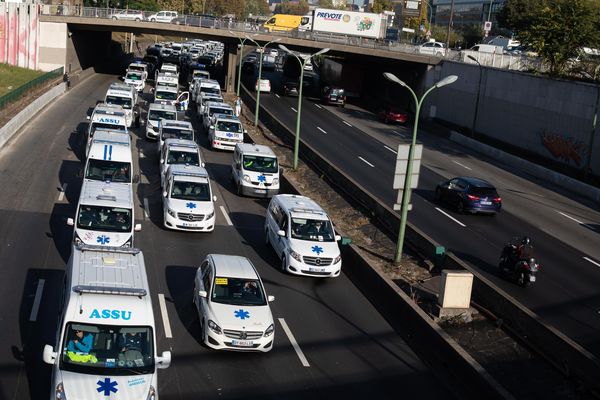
(345, 348)
(564, 229)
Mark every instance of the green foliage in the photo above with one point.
(471, 35)
(146, 5)
(440, 33)
(256, 7)
(286, 7)
(555, 29)
(380, 6)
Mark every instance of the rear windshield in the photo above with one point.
(483, 192)
(155, 115)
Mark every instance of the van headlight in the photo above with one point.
(337, 259)
(76, 239)
(212, 214)
(246, 178)
(295, 256)
(59, 392)
(128, 243)
(151, 393)
(214, 327)
(275, 181)
(171, 213)
(269, 331)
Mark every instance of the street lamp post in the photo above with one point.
(242, 41)
(302, 64)
(262, 54)
(408, 178)
(473, 126)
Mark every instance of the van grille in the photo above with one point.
(191, 217)
(249, 335)
(317, 261)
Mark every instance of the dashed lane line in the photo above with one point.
(462, 165)
(366, 162)
(321, 129)
(451, 217)
(294, 343)
(226, 215)
(390, 149)
(36, 301)
(165, 316)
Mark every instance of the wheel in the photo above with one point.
(438, 195)
(283, 263)
(239, 190)
(153, 20)
(138, 20)
(115, 18)
(523, 281)
(460, 207)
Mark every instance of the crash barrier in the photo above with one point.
(440, 353)
(18, 92)
(17, 122)
(561, 351)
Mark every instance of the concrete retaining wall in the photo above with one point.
(13, 126)
(571, 358)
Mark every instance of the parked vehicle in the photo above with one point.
(392, 114)
(437, 49)
(334, 95)
(468, 194)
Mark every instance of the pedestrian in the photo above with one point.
(238, 106)
(67, 80)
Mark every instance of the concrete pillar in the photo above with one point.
(232, 60)
(132, 38)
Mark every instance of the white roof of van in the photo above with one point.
(171, 123)
(301, 206)
(111, 146)
(182, 145)
(255, 149)
(106, 194)
(163, 107)
(165, 88)
(233, 266)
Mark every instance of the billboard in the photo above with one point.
(347, 23)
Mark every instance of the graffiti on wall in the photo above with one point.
(565, 148)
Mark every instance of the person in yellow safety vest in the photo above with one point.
(78, 348)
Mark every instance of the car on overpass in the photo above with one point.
(127, 15)
(163, 16)
(432, 48)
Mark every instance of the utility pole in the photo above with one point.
(449, 27)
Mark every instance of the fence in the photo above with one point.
(18, 92)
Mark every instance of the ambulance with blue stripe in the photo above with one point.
(105, 214)
(110, 158)
(105, 346)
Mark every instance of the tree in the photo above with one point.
(256, 7)
(555, 29)
(471, 34)
(380, 6)
(287, 7)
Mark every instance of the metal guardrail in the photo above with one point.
(515, 62)
(18, 92)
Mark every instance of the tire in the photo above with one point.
(153, 20)
(283, 264)
(114, 18)
(460, 207)
(137, 20)
(522, 281)
(239, 190)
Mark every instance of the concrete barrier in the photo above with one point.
(17, 122)
(568, 356)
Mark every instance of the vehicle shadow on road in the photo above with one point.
(77, 140)
(478, 262)
(180, 281)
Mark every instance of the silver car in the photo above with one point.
(128, 15)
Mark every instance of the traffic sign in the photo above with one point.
(487, 26)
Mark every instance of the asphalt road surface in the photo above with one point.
(349, 350)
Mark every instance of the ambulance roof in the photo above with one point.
(255, 150)
(301, 206)
(106, 194)
(111, 146)
(188, 173)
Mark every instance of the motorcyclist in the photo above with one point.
(515, 251)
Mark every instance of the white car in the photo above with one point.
(232, 305)
(437, 49)
(135, 79)
(264, 84)
(163, 16)
(128, 15)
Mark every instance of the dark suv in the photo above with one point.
(334, 95)
(469, 194)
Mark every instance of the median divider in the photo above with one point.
(573, 360)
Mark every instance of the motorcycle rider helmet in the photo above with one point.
(526, 241)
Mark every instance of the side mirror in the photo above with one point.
(88, 117)
(164, 194)
(70, 221)
(214, 198)
(211, 127)
(49, 355)
(136, 178)
(270, 298)
(203, 165)
(338, 238)
(202, 293)
(164, 360)
(143, 122)
(281, 233)
(238, 165)
(137, 227)
(162, 160)
(245, 131)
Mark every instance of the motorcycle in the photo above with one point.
(523, 271)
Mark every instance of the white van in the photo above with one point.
(106, 339)
(225, 131)
(178, 152)
(167, 79)
(109, 158)
(105, 215)
(105, 116)
(488, 48)
(206, 86)
(203, 99)
(163, 16)
(174, 130)
(211, 108)
(169, 95)
(302, 235)
(139, 67)
(188, 203)
(255, 170)
(126, 97)
(156, 112)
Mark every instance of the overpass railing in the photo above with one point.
(516, 62)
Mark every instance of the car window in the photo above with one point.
(428, 45)
(462, 185)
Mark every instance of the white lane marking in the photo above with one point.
(347, 124)
(146, 208)
(63, 189)
(593, 262)
(37, 300)
(316, 105)
(321, 129)
(396, 132)
(294, 343)
(165, 316)
(576, 220)
(276, 95)
(451, 217)
(293, 109)
(226, 215)
(390, 149)
(462, 165)
(366, 162)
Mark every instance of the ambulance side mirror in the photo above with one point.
(214, 198)
(162, 160)
(202, 293)
(49, 355)
(271, 298)
(137, 227)
(338, 238)
(88, 117)
(70, 221)
(203, 165)
(164, 194)
(164, 360)
(281, 233)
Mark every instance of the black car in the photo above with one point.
(291, 88)
(248, 67)
(469, 194)
(334, 96)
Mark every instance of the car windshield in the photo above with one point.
(215, 110)
(177, 133)
(183, 157)
(483, 192)
(213, 90)
(108, 171)
(185, 190)
(156, 115)
(139, 68)
(104, 125)
(238, 291)
(162, 95)
(260, 164)
(134, 76)
(108, 349)
(318, 230)
(337, 92)
(124, 102)
(168, 84)
(229, 126)
(108, 219)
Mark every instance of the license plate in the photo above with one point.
(486, 203)
(531, 278)
(261, 191)
(187, 224)
(242, 343)
(316, 269)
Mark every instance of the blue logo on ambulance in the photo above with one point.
(111, 314)
(109, 120)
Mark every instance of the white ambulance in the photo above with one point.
(178, 152)
(170, 129)
(225, 132)
(109, 158)
(302, 235)
(126, 97)
(105, 215)
(157, 112)
(105, 116)
(188, 203)
(255, 170)
(105, 346)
